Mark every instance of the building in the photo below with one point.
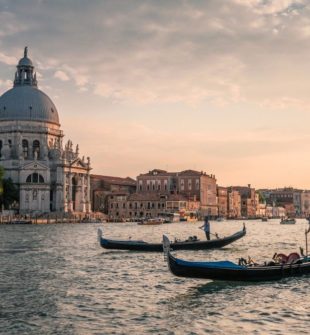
(103, 186)
(193, 185)
(286, 197)
(147, 205)
(248, 200)
(305, 203)
(234, 204)
(222, 200)
(50, 176)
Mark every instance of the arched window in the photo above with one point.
(25, 148)
(35, 178)
(36, 148)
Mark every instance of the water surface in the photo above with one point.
(56, 279)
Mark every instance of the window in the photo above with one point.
(35, 178)
(189, 183)
(182, 185)
(25, 149)
(0, 149)
(36, 149)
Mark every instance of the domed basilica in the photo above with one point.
(50, 175)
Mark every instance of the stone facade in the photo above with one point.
(222, 199)
(305, 203)
(103, 186)
(50, 177)
(147, 205)
(194, 185)
(234, 204)
(248, 200)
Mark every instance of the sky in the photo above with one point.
(220, 86)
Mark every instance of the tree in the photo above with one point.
(262, 199)
(9, 193)
(1, 179)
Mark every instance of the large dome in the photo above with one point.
(25, 101)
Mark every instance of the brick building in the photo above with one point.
(234, 204)
(103, 186)
(222, 201)
(193, 185)
(147, 205)
(248, 200)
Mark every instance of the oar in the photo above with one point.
(216, 235)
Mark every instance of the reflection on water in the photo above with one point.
(55, 279)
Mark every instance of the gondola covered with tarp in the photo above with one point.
(281, 266)
(190, 244)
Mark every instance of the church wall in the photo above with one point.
(32, 142)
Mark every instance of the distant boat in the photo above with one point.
(264, 219)
(220, 219)
(151, 222)
(287, 221)
(19, 222)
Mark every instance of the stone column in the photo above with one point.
(88, 207)
(70, 205)
(83, 209)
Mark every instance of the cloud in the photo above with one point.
(9, 60)
(61, 75)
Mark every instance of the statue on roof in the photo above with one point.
(26, 52)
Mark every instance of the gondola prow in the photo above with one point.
(166, 246)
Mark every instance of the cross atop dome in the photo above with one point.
(24, 74)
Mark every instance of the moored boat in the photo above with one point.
(288, 221)
(264, 219)
(151, 222)
(19, 222)
(190, 244)
(294, 265)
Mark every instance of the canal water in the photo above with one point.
(56, 279)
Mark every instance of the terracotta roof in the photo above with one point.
(114, 180)
(190, 173)
(158, 172)
(144, 197)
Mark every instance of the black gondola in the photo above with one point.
(229, 271)
(139, 245)
(19, 222)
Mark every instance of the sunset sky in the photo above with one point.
(218, 85)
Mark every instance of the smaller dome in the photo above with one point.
(25, 61)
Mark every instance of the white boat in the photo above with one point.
(155, 221)
(288, 221)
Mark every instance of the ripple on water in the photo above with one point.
(55, 279)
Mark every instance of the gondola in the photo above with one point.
(191, 244)
(19, 222)
(229, 271)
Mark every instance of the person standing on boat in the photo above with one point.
(206, 227)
